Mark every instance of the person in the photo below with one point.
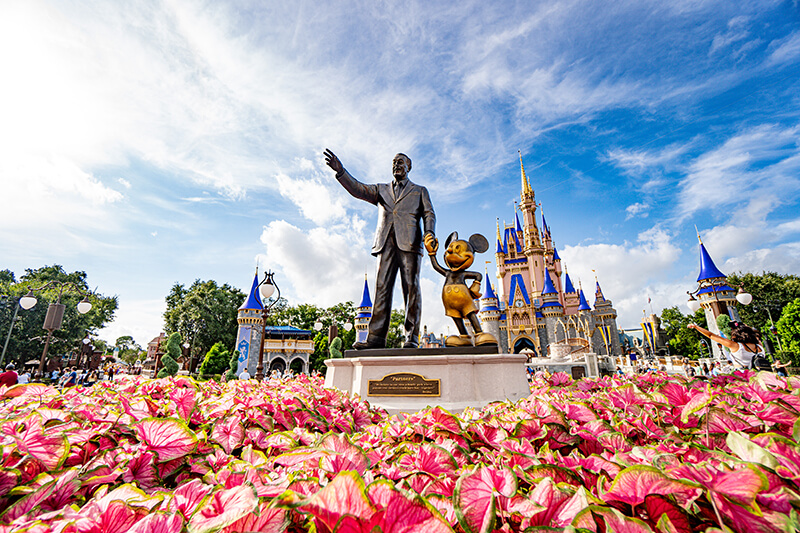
(244, 374)
(54, 376)
(744, 344)
(24, 378)
(689, 370)
(9, 378)
(71, 378)
(398, 244)
(705, 369)
(780, 367)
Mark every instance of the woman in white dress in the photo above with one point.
(744, 344)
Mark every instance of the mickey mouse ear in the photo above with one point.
(479, 243)
(450, 238)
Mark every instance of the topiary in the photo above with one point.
(169, 360)
(336, 348)
(216, 361)
(234, 366)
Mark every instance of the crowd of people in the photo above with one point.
(61, 378)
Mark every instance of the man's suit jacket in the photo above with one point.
(402, 213)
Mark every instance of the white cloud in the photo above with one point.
(737, 30)
(313, 198)
(785, 50)
(748, 175)
(639, 208)
(141, 319)
(623, 267)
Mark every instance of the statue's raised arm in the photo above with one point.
(332, 161)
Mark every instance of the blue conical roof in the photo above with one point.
(365, 299)
(516, 216)
(549, 288)
(545, 229)
(505, 241)
(253, 301)
(489, 290)
(598, 294)
(499, 247)
(584, 305)
(555, 254)
(708, 270)
(568, 287)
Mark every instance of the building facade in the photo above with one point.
(536, 304)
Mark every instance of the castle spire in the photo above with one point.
(253, 300)
(526, 187)
(366, 301)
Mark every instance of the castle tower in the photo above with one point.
(571, 298)
(490, 311)
(248, 336)
(363, 314)
(605, 340)
(552, 311)
(715, 295)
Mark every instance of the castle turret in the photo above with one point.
(363, 314)
(605, 319)
(571, 298)
(714, 293)
(490, 310)
(248, 336)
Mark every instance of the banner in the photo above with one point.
(647, 330)
(243, 345)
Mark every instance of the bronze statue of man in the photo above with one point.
(398, 244)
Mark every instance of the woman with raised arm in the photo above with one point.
(744, 344)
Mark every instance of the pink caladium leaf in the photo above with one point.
(345, 455)
(169, 438)
(228, 433)
(696, 403)
(266, 520)
(475, 496)
(223, 508)
(658, 505)
(185, 401)
(119, 517)
(142, 469)
(595, 518)
(408, 514)
(189, 496)
(633, 484)
(345, 495)
(159, 523)
(50, 447)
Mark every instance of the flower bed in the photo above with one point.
(652, 453)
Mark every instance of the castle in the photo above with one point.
(535, 309)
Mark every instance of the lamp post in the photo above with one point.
(85, 351)
(10, 328)
(186, 358)
(55, 312)
(266, 288)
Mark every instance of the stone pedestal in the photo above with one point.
(408, 383)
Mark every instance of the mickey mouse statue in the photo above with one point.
(456, 296)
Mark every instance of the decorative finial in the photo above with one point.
(526, 187)
(698, 234)
(498, 228)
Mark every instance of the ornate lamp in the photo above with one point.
(266, 288)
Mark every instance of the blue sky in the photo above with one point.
(154, 142)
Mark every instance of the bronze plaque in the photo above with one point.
(404, 384)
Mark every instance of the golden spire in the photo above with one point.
(698, 234)
(498, 229)
(526, 187)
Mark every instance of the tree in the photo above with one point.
(129, 350)
(317, 360)
(682, 340)
(204, 314)
(217, 360)
(27, 336)
(789, 330)
(169, 361)
(396, 336)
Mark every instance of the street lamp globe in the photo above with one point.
(318, 325)
(27, 301)
(84, 306)
(693, 304)
(348, 326)
(186, 345)
(743, 298)
(267, 288)
(86, 340)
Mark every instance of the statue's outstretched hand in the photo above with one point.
(475, 289)
(431, 243)
(333, 161)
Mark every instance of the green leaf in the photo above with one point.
(749, 451)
